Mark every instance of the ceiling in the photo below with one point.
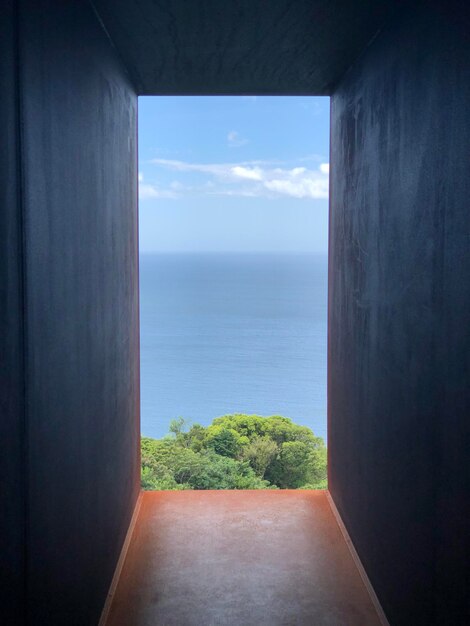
(289, 47)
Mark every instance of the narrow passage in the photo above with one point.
(239, 558)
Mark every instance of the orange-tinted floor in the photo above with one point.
(203, 558)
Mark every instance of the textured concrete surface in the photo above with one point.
(241, 46)
(12, 523)
(239, 558)
(399, 331)
(81, 443)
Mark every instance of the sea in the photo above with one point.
(232, 333)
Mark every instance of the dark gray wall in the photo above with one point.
(11, 332)
(71, 225)
(399, 332)
(241, 46)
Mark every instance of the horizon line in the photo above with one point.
(323, 252)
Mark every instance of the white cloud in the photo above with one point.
(251, 173)
(183, 166)
(147, 191)
(310, 186)
(151, 191)
(249, 179)
(235, 140)
(245, 193)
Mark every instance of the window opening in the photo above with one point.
(233, 202)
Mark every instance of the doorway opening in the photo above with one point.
(233, 204)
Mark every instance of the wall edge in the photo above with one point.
(120, 562)
(357, 561)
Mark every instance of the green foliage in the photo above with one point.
(235, 452)
(177, 426)
(292, 466)
(260, 452)
(223, 441)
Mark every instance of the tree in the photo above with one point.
(282, 429)
(185, 464)
(221, 472)
(235, 452)
(290, 469)
(177, 426)
(196, 437)
(247, 426)
(223, 441)
(259, 453)
(297, 464)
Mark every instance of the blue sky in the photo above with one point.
(244, 174)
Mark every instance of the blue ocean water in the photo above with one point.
(225, 333)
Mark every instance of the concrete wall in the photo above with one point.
(11, 333)
(69, 254)
(239, 47)
(399, 331)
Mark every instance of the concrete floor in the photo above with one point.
(241, 558)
